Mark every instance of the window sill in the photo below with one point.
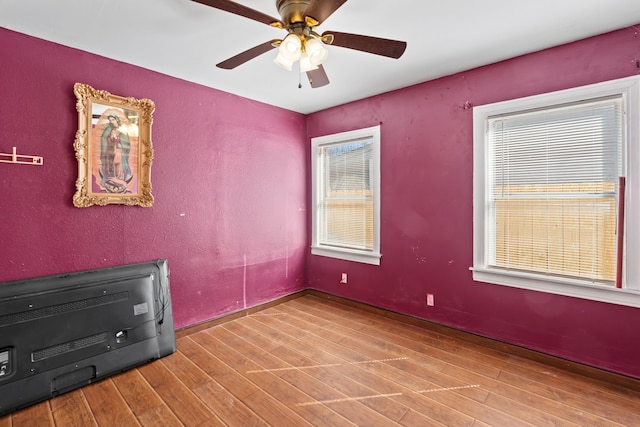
(347, 255)
(558, 286)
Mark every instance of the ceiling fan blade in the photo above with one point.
(247, 55)
(241, 10)
(318, 77)
(320, 10)
(375, 45)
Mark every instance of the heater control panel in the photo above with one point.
(5, 362)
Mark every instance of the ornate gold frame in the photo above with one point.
(113, 148)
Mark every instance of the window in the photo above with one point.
(346, 195)
(556, 178)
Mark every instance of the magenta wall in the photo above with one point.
(426, 227)
(228, 179)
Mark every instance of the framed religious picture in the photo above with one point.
(113, 148)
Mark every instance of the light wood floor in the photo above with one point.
(311, 361)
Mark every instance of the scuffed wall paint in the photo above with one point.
(427, 196)
(228, 179)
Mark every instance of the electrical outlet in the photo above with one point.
(343, 280)
(430, 301)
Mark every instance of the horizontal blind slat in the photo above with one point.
(346, 205)
(552, 189)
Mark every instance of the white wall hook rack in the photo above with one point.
(21, 159)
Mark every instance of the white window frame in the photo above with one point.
(629, 294)
(363, 256)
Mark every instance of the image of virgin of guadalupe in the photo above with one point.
(113, 172)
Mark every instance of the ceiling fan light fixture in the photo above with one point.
(306, 64)
(290, 48)
(315, 51)
(300, 19)
(283, 62)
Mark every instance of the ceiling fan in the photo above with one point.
(303, 43)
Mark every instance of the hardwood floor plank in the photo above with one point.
(322, 395)
(237, 385)
(410, 399)
(229, 408)
(291, 346)
(177, 396)
(144, 402)
(189, 373)
(525, 412)
(575, 382)
(107, 405)
(434, 339)
(301, 403)
(503, 362)
(583, 399)
(624, 384)
(235, 381)
(452, 400)
(159, 416)
(347, 384)
(416, 419)
(478, 423)
(35, 415)
(416, 363)
(313, 339)
(270, 406)
(495, 357)
(273, 412)
(325, 317)
(200, 349)
(580, 416)
(72, 409)
(242, 355)
(348, 380)
(283, 391)
(500, 361)
(419, 339)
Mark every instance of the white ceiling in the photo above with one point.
(185, 39)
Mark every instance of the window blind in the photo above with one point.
(346, 195)
(553, 178)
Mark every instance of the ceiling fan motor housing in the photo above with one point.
(292, 11)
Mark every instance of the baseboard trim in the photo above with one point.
(593, 372)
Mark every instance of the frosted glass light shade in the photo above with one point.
(316, 52)
(306, 64)
(283, 62)
(290, 48)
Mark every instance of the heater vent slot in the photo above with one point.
(59, 349)
(54, 310)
